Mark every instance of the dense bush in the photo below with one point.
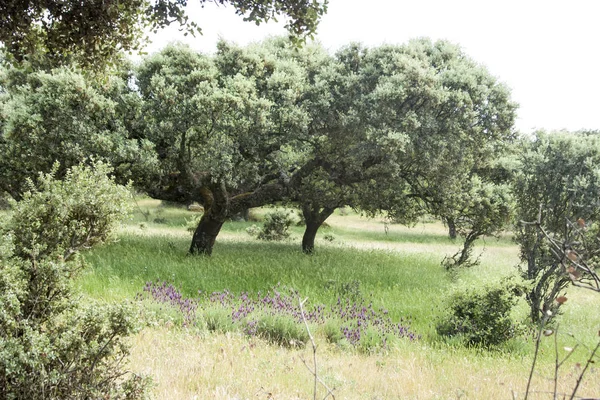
(51, 346)
(482, 316)
(275, 227)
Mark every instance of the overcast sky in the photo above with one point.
(546, 51)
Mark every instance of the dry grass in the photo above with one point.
(189, 366)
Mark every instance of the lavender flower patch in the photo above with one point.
(356, 318)
(163, 292)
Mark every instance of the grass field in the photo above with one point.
(397, 269)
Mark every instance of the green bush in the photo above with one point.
(51, 345)
(332, 331)
(275, 227)
(482, 317)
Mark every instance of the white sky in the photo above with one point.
(546, 51)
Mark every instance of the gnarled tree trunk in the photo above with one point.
(314, 217)
(219, 205)
(216, 208)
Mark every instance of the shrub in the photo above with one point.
(482, 317)
(275, 227)
(51, 346)
(218, 320)
(332, 332)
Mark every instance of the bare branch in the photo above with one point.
(314, 348)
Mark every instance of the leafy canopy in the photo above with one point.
(94, 32)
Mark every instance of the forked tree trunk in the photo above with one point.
(218, 206)
(314, 218)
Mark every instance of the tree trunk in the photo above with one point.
(205, 234)
(216, 208)
(314, 218)
(451, 227)
(465, 253)
(308, 239)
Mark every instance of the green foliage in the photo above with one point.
(282, 330)
(397, 142)
(483, 208)
(66, 117)
(65, 216)
(94, 33)
(375, 129)
(482, 316)
(558, 182)
(218, 319)
(51, 346)
(275, 227)
(332, 332)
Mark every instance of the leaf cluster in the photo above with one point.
(62, 115)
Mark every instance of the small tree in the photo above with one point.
(52, 346)
(558, 183)
(484, 208)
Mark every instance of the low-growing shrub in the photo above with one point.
(218, 320)
(275, 227)
(332, 332)
(482, 316)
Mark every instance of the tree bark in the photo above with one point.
(216, 208)
(205, 235)
(314, 218)
(451, 227)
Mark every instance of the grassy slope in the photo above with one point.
(400, 270)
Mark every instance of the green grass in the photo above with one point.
(400, 283)
(410, 284)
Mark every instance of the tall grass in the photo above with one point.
(407, 285)
(406, 279)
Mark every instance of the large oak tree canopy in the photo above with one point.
(94, 32)
(394, 128)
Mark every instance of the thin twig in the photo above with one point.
(537, 348)
(587, 364)
(314, 348)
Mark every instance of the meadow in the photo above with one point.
(393, 269)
